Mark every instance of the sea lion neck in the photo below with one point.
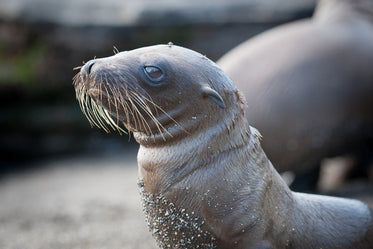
(159, 159)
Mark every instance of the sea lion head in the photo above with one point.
(162, 91)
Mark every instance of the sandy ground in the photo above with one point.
(76, 203)
(83, 203)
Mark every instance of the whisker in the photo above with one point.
(137, 113)
(150, 100)
(144, 108)
(139, 117)
(115, 50)
(148, 111)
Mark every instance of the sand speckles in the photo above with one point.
(173, 227)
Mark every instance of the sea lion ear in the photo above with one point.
(213, 95)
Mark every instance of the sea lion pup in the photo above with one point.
(204, 178)
(309, 84)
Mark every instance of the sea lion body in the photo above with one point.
(204, 178)
(309, 84)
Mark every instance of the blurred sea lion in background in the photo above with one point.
(309, 85)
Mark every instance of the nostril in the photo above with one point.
(90, 65)
(87, 68)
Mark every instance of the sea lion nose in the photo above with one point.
(87, 68)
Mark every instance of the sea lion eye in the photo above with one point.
(153, 73)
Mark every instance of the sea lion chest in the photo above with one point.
(172, 226)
